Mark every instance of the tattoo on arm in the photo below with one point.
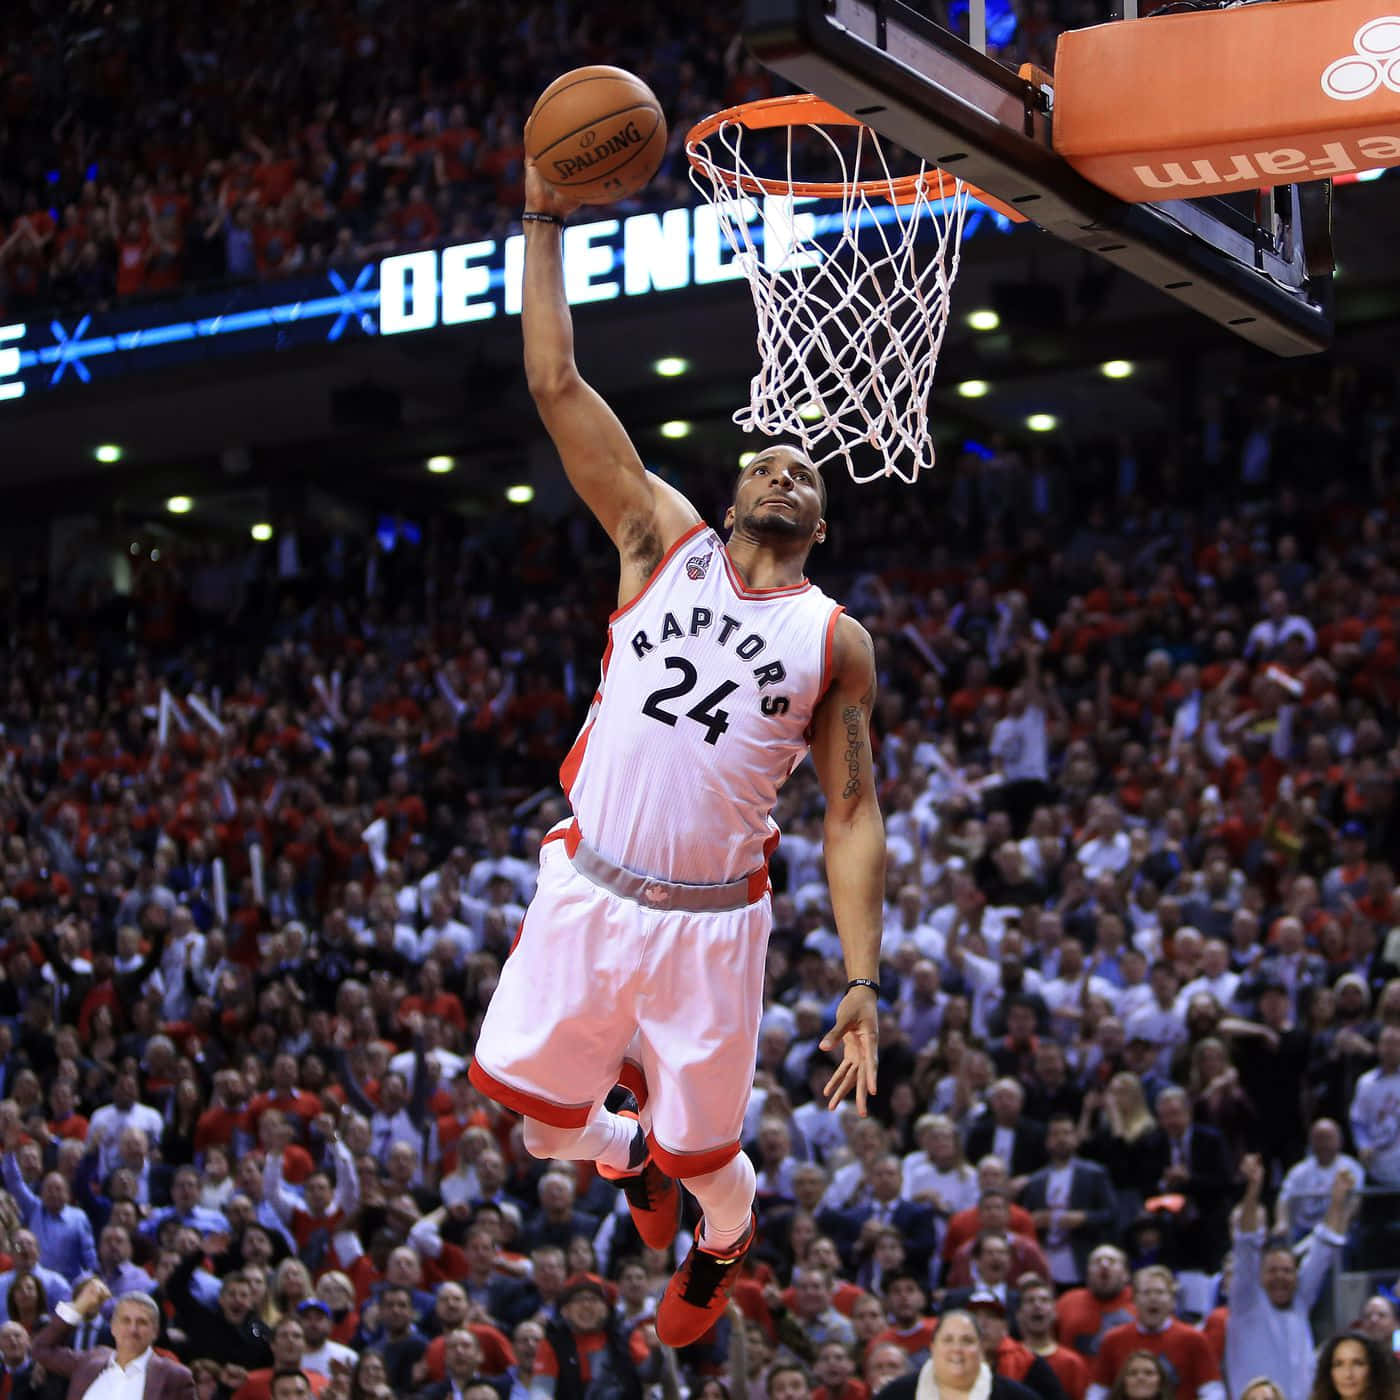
(850, 717)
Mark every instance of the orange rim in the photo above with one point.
(806, 109)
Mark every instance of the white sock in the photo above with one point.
(726, 1196)
(606, 1138)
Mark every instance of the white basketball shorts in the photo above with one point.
(599, 987)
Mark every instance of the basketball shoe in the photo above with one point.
(699, 1290)
(653, 1198)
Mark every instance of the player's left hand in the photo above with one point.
(857, 1028)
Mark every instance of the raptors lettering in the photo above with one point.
(748, 646)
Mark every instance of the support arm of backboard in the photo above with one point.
(920, 85)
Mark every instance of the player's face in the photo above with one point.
(779, 496)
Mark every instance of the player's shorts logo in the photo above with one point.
(658, 896)
(697, 566)
(1374, 64)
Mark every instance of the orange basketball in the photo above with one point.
(598, 133)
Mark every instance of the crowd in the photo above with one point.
(146, 149)
(270, 825)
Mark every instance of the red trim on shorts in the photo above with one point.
(686, 1164)
(631, 1076)
(515, 942)
(656, 573)
(556, 1115)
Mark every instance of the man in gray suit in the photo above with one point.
(104, 1373)
(1071, 1202)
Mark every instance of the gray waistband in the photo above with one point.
(651, 893)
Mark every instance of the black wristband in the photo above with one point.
(531, 217)
(863, 982)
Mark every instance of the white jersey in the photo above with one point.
(702, 713)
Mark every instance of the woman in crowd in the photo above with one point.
(1353, 1366)
(1142, 1377)
(1116, 1126)
(1217, 1098)
(27, 1303)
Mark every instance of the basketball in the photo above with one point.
(598, 133)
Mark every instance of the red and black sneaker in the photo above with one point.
(653, 1198)
(699, 1291)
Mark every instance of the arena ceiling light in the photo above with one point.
(521, 494)
(179, 505)
(262, 532)
(440, 466)
(983, 319)
(108, 452)
(1042, 422)
(669, 366)
(745, 458)
(1116, 369)
(974, 388)
(810, 412)
(675, 428)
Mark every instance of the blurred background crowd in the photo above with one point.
(146, 149)
(271, 822)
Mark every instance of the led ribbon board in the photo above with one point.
(604, 260)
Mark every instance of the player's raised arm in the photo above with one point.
(642, 514)
(855, 853)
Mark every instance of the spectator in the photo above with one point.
(835, 1368)
(229, 1330)
(906, 1306)
(288, 1353)
(462, 1366)
(63, 1232)
(399, 1342)
(584, 1347)
(956, 1369)
(26, 1381)
(26, 1247)
(1071, 1202)
(1184, 1352)
(1003, 1131)
(989, 1263)
(1271, 1296)
(322, 1354)
(1035, 1320)
(1350, 1366)
(1144, 1376)
(1005, 1355)
(1191, 1162)
(1307, 1188)
(814, 1311)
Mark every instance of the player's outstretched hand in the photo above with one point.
(544, 198)
(857, 1028)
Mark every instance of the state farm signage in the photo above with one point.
(1220, 100)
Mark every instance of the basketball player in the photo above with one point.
(646, 941)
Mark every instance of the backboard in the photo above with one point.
(1262, 270)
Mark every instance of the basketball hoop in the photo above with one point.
(850, 322)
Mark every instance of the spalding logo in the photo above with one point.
(619, 141)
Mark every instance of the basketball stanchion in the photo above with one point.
(849, 326)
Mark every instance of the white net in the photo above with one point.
(852, 304)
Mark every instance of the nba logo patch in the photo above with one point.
(697, 566)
